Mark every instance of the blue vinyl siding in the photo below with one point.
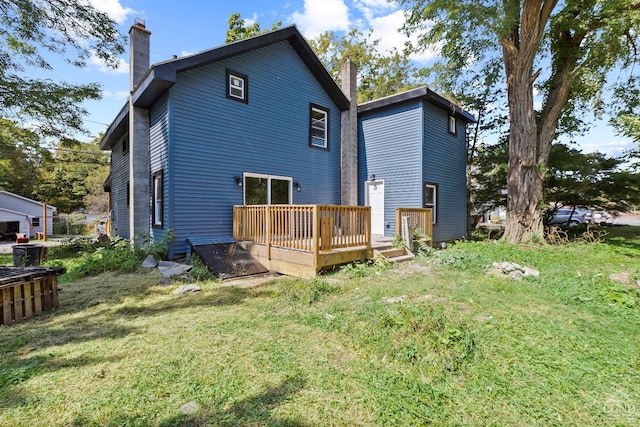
(214, 139)
(390, 147)
(445, 160)
(159, 153)
(119, 181)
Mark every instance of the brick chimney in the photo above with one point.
(139, 167)
(349, 137)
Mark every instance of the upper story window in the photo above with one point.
(237, 86)
(125, 145)
(319, 127)
(452, 125)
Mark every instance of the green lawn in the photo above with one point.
(455, 347)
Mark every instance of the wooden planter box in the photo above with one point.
(27, 291)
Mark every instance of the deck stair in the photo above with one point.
(393, 254)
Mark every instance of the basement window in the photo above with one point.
(237, 86)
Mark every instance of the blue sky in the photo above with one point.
(189, 26)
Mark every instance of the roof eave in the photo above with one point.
(414, 94)
(117, 129)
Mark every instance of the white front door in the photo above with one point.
(374, 197)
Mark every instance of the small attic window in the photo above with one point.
(125, 145)
(237, 86)
(452, 125)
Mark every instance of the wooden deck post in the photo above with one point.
(268, 230)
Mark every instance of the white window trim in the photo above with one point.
(452, 125)
(268, 178)
(232, 86)
(326, 127)
(158, 201)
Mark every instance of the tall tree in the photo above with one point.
(239, 28)
(380, 73)
(73, 173)
(21, 158)
(31, 30)
(565, 49)
(592, 179)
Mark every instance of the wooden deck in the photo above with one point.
(301, 240)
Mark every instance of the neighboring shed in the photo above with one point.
(412, 154)
(28, 208)
(12, 222)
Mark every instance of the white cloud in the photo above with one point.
(371, 8)
(113, 8)
(318, 17)
(119, 95)
(612, 147)
(386, 28)
(96, 63)
(252, 20)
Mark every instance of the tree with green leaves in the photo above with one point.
(31, 31)
(592, 179)
(239, 28)
(21, 158)
(74, 175)
(565, 50)
(380, 73)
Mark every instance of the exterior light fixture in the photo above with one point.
(297, 186)
(238, 181)
(372, 177)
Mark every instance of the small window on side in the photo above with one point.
(319, 127)
(157, 200)
(125, 145)
(431, 199)
(35, 221)
(452, 125)
(237, 86)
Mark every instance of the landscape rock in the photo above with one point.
(189, 408)
(171, 268)
(149, 262)
(185, 289)
(512, 270)
(394, 300)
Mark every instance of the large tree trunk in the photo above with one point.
(525, 174)
(529, 140)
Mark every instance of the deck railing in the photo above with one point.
(416, 218)
(309, 228)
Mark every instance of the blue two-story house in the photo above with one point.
(261, 122)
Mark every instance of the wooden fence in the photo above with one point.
(416, 218)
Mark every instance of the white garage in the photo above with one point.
(12, 222)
